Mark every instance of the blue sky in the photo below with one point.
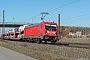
(75, 14)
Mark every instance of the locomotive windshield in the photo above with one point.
(50, 27)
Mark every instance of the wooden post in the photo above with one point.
(59, 25)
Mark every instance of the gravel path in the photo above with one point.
(7, 54)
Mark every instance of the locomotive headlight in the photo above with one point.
(54, 32)
(47, 32)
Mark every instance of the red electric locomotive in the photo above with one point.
(42, 32)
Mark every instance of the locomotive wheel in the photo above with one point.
(23, 39)
(39, 41)
(44, 42)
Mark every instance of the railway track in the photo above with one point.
(75, 45)
(66, 44)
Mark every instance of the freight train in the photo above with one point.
(42, 32)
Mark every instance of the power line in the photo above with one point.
(56, 8)
(63, 5)
(76, 16)
(35, 16)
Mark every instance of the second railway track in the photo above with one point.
(76, 45)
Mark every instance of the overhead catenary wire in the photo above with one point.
(76, 16)
(56, 8)
(64, 5)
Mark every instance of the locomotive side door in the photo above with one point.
(40, 30)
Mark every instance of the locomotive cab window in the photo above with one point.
(50, 27)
